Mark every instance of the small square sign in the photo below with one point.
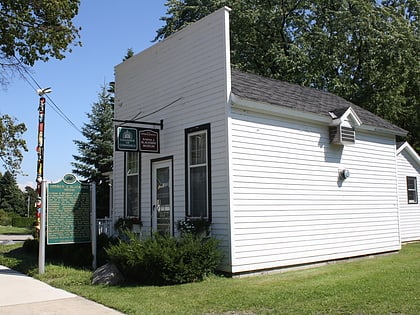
(127, 139)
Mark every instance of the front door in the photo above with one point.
(162, 197)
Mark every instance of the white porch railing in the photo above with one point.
(104, 226)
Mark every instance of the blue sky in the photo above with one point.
(109, 28)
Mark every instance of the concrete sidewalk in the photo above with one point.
(20, 294)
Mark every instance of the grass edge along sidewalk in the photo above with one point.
(379, 285)
(11, 230)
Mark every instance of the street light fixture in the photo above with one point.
(41, 92)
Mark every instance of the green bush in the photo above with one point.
(23, 222)
(102, 243)
(5, 218)
(165, 259)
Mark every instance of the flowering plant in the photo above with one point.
(127, 223)
(194, 226)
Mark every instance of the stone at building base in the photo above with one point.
(107, 274)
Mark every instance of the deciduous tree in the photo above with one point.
(11, 142)
(366, 51)
(11, 197)
(35, 30)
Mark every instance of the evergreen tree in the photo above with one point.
(95, 154)
(129, 54)
(11, 197)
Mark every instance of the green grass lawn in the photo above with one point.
(14, 230)
(380, 285)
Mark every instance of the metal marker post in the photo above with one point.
(41, 249)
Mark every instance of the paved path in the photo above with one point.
(23, 295)
(7, 239)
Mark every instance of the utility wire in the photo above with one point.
(55, 107)
(62, 114)
(147, 115)
(162, 108)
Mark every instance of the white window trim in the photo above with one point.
(189, 133)
(412, 201)
(130, 174)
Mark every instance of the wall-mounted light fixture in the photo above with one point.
(344, 174)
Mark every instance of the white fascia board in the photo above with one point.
(276, 110)
(385, 131)
(351, 113)
(406, 146)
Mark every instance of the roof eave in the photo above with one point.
(267, 108)
(276, 110)
(409, 149)
(381, 130)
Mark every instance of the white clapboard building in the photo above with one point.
(285, 175)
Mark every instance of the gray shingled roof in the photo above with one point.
(261, 89)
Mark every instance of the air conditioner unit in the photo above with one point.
(342, 135)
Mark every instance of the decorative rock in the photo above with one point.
(107, 274)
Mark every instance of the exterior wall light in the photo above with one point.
(344, 174)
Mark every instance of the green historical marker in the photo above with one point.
(68, 212)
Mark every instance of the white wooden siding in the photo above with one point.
(409, 213)
(289, 206)
(191, 69)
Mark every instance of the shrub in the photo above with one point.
(23, 222)
(103, 241)
(191, 259)
(5, 218)
(166, 260)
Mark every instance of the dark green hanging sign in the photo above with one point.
(127, 139)
(68, 211)
(137, 139)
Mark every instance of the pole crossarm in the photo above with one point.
(160, 124)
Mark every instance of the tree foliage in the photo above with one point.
(11, 143)
(35, 30)
(95, 154)
(366, 51)
(11, 197)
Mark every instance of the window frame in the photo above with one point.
(127, 175)
(205, 128)
(412, 192)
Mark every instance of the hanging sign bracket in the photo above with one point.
(160, 124)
